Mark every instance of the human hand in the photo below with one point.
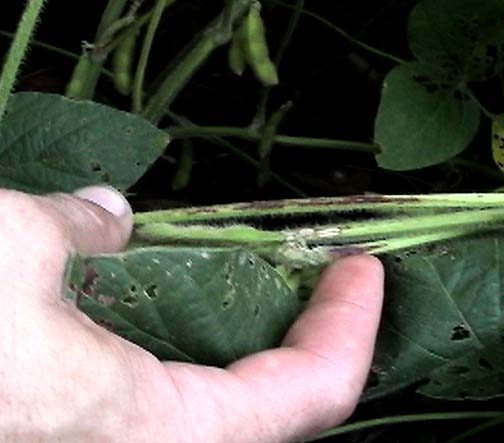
(65, 379)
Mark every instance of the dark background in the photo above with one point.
(334, 85)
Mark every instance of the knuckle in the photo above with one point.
(27, 223)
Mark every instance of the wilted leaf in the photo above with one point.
(51, 143)
(423, 119)
(209, 306)
(444, 322)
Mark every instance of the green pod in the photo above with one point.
(77, 84)
(256, 48)
(182, 177)
(122, 62)
(236, 55)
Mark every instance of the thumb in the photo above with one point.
(96, 219)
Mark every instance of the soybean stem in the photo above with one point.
(184, 123)
(144, 54)
(477, 429)
(214, 35)
(254, 135)
(260, 117)
(379, 204)
(17, 50)
(342, 33)
(410, 418)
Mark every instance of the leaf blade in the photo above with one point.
(49, 143)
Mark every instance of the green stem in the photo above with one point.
(475, 167)
(254, 163)
(49, 47)
(214, 36)
(177, 79)
(410, 418)
(90, 77)
(237, 234)
(238, 153)
(260, 117)
(17, 50)
(111, 14)
(369, 229)
(254, 135)
(56, 50)
(477, 430)
(293, 22)
(301, 246)
(144, 54)
(379, 204)
(396, 244)
(484, 110)
(342, 33)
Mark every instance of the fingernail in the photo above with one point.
(107, 197)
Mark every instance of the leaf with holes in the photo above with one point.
(464, 37)
(423, 118)
(51, 143)
(444, 322)
(209, 306)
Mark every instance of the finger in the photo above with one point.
(314, 381)
(95, 219)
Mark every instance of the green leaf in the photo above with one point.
(498, 141)
(210, 306)
(464, 37)
(51, 143)
(423, 118)
(444, 322)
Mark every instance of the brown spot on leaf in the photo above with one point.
(89, 281)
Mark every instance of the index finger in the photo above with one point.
(315, 379)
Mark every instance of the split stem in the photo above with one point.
(377, 204)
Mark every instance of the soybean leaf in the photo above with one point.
(423, 118)
(51, 143)
(498, 141)
(209, 306)
(464, 37)
(444, 322)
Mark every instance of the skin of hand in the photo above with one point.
(65, 379)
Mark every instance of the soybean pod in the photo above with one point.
(256, 47)
(122, 62)
(76, 87)
(182, 177)
(236, 55)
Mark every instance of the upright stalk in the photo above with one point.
(144, 55)
(88, 72)
(17, 50)
(215, 35)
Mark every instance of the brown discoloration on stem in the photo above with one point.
(271, 204)
(346, 251)
(355, 199)
(202, 210)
